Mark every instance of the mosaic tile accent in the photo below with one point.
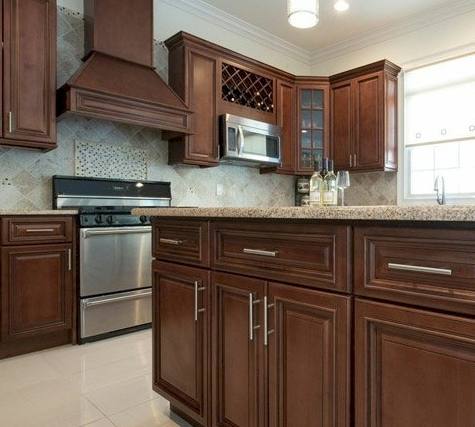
(25, 176)
(99, 159)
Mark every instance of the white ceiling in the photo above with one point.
(363, 17)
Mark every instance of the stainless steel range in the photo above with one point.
(115, 250)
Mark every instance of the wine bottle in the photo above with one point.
(316, 183)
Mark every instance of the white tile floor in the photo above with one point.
(102, 384)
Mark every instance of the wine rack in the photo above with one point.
(248, 89)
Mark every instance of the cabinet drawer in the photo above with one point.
(428, 267)
(181, 241)
(30, 230)
(311, 255)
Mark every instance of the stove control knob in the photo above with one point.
(110, 219)
(98, 219)
(143, 219)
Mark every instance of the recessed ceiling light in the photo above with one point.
(341, 5)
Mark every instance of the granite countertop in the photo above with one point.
(13, 212)
(453, 213)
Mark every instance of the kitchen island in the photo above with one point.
(315, 316)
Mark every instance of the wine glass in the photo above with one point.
(343, 182)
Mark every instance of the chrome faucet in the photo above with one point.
(439, 188)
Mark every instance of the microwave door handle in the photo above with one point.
(240, 140)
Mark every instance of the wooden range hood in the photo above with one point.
(117, 80)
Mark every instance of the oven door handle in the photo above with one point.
(140, 295)
(109, 232)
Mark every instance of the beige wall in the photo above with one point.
(445, 39)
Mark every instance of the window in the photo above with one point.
(440, 129)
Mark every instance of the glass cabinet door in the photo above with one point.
(311, 127)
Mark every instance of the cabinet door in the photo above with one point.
(181, 315)
(342, 123)
(29, 79)
(200, 86)
(369, 127)
(286, 110)
(313, 126)
(413, 368)
(37, 290)
(309, 359)
(238, 392)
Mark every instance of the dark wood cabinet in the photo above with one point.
(315, 255)
(308, 357)
(181, 317)
(413, 368)
(237, 351)
(185, 242)
(313, 123)
(342, 120)
(29, 73)
(193, 74)
(286, 119)
(364, 118)
(427, 267)
(37, 296)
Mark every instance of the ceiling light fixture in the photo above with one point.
(341, 5)
(303, 13)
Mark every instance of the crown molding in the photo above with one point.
(409, 25)
(236, 25)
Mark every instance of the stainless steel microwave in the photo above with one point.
(249, 142)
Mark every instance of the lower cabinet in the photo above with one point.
(281, 355)
(180, 338)
(37, 297)
(238, 351)
(413, 367)
(308, 357)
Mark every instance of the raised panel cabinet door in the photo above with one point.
(342, 124)
(286, 112)
(180, 338)
(369, 121)
(29, 78)
(413, 368)
(237, 349)
(37, 290)
(309, 357)
(202, 146)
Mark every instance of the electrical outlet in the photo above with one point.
(5, 181)
(219, 189)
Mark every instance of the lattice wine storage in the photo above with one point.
(245, 88)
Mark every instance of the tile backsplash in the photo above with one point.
(25, 176)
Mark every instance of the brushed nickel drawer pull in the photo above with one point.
(420, 269)
(171, 242)
(40, 230)
(252, 327)
(10, 122)
(198, 289)
(70, 259)
(260, 252)
(267, 332)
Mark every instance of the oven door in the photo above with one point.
(115, 259)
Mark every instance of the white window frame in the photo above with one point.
(404, 178)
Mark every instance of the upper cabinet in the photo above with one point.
(29, 73)
(214, 81)
(350, 117)
(313, 120)
(193, 75)
(364, 118)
